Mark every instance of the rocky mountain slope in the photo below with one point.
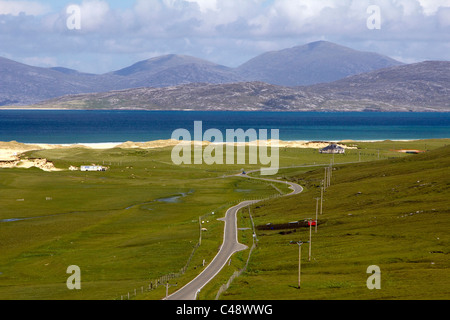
(416, 87)
(419, 85)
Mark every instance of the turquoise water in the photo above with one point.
(67, 127)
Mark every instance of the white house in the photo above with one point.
(333, 148)
(92, 168)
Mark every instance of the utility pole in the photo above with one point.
(321, 199)
(299, 263)
(167, 288)
(317, 211)
(299, 260)
(331, 171)
(201, 227)
(329, 177)
(310, 237)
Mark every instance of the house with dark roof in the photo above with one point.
(333, 149)
(92, 168)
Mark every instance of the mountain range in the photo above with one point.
(316, 76)
(21, 84)
(316, 62)
(402, 89)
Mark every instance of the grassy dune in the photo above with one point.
(139, 221)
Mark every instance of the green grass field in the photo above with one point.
(140, 221)
(391, 213)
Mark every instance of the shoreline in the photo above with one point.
(110, 145)
(24, 108)
(106, 145)
(37, 109)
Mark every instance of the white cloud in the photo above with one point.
(94, 14)
(225, 31)
(15, 8)
(430, 7)
(205, 5)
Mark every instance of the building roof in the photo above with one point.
(332, 146)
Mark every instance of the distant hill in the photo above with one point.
(416, 87)
(196, 96)
(23, 84)
(170, 70)
(316, 62)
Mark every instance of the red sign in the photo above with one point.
(312, 223)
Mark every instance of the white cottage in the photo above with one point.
(333, 149)
(92, 168)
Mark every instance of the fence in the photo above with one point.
(163, 280)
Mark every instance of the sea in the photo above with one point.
(101, 126)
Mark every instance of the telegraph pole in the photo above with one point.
(299, 260)
(201, 227)
(167, 288)
(317, 211)
(321, 199)
(310, 238)
(299, 263)
(331, 172)
(329, 177)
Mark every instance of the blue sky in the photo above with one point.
(115, 34)
(61, 4)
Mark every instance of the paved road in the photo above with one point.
(229, 246)
(296, 189)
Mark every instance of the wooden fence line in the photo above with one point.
(163, 280)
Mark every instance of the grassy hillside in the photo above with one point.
(136, 222)
(390, 213)
(140, 221)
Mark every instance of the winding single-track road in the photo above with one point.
(229, 246)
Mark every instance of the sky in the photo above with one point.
(102, 36)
